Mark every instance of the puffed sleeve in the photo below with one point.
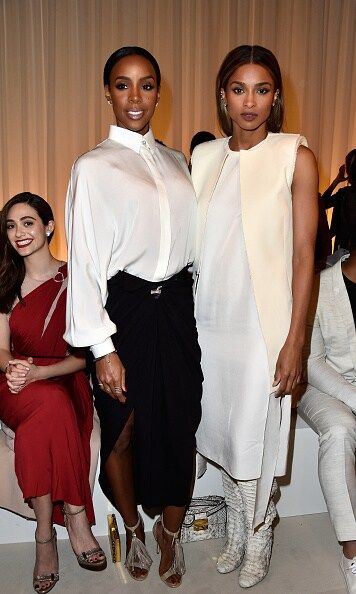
(89, 253)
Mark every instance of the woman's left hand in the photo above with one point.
(288, 369)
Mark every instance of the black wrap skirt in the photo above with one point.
(157, 343)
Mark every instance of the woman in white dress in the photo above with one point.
(257, 219)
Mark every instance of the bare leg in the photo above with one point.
(119, 471)
(172, 519)
(79, 532)
(46, 554)
(349, 549)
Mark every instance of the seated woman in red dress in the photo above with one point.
(45, 397)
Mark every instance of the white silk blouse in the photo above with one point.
(130, 206)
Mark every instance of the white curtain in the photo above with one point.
(52, 54)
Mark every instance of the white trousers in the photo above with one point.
(335, 423)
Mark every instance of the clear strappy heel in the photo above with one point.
(138, 556)
(178, 565)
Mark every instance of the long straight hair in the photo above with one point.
(12, 266)
(250, 54)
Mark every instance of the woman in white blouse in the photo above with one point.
(130, 217)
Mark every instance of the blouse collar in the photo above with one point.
(132, 140)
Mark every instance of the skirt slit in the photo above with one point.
(158, 345)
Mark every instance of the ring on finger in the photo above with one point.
(117, 389)
(101, 385)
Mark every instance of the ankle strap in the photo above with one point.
(54, 533)
(69, 513)
(133, 528)
(174, 535)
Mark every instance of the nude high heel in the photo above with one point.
(138, 556)
(178, 565)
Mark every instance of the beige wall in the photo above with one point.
(52, 54)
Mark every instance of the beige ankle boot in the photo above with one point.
(233, 551)
(259, 543)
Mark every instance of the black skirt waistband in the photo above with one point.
(128, 282)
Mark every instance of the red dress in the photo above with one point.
(52, 419)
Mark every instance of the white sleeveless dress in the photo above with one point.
(234, 355)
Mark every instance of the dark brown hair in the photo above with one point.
(12, 266)
(250, 54)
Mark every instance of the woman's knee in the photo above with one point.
(124, 441)
(42, 406)
(60, 398)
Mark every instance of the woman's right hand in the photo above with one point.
(110, 373)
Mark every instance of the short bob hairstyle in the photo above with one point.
(130, 50)
(250, 54)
